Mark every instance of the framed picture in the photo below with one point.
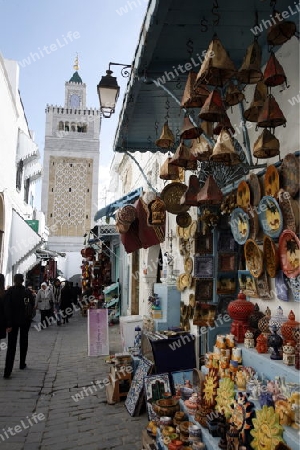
(223, 303)
(134, 398)
(180, 379)
(226, 284)
(203, 243)
(156, 387)
(203, 266)
(227, 262)
(226, 242)
(204, 289)
(204, 314)
(247, 283)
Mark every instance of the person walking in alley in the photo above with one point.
(44, 302)
(56, 289)
(18, 307)
(67, 297)
(2, 318)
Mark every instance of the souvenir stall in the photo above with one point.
(237, 265)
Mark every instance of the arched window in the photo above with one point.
(73, 126)
(61, 125)
(67, 126)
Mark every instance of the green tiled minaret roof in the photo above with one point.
(75, 78)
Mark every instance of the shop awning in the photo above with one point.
(27, 150)
(24, 241)
(109, 210)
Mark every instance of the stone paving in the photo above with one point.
(37, 411)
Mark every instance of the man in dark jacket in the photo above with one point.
(18, 302)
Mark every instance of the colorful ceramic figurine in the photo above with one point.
(288, 354)
(275, 341)
(249, 340)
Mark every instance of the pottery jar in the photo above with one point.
(195, 433)
(288, 354)
(165, 421)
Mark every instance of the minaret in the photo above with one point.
(71, 167)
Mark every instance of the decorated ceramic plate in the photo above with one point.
(290, 210)
(290, 174)
(255, 189)
(270, 216)
(171, 195)
(254, 258)
(188, 265)
(271, 256)
(243, 195)
(240, 226)
(183, 220)
(271, 181)
(289, 252)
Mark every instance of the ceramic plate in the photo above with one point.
(271, 256)
(254, 258)
(188, 265)
(289, 252)
(240, 227)
(271, 181)
(255, 190)
(243, 195)
(270, 216)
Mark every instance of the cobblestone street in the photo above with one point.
(57, 369)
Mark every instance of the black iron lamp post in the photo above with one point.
(108, 89)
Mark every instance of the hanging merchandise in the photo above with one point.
(193, 98)
(213, 109)
(166, 139)
(271, 181)
(210, 193)
(260, 94)
(271, 115)
(169, 171)
(266, 145)
(201, 149)
(188, 130)
(289, 251)
(271, 256)
(233, 95)
(224, 151)
(207, 128)
(224, 123)
(124, 218)
(156, 213)
(250, 71)
(274, 74)
(184, 158)
(190, 195)
(282, 31)
(217, 69)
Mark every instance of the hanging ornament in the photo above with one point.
(193, 98)
(260, 94)
(166, 139)
(266, 145)
(213, 109)
(271, 115)
(224, 151)
(188, 130)
(216, 70)
(184, 158)
(274, 74)
(282, 30)
(250, 71)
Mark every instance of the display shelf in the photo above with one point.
(269, 368)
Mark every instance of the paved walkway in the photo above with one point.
(37, 411)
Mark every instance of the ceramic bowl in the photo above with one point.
(270, 216)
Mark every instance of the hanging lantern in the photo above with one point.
(271, 115)
(250, 71)
(224, 151)
(210, 193)
(184, 158)
(281, 31)
(260, 94)
(193, 98)
(201, 149)
(224, 123)
(266, 146)
(233, 95)
(166, 139)
(213, 109)
(169, 171)
(156, 214)
(188, 130)
(190, 195)
(274, 74)
(218, 69)
(207, 127)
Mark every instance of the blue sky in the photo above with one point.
(105, 32)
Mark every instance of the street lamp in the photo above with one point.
(108, 89)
